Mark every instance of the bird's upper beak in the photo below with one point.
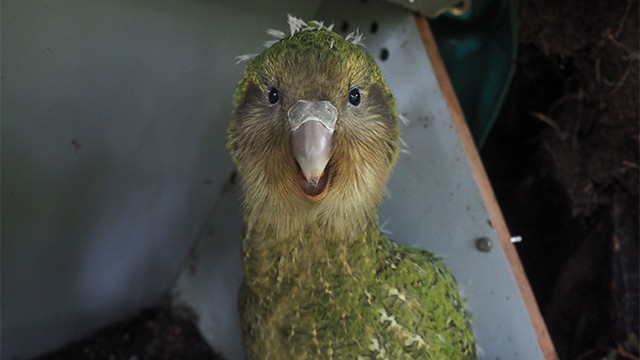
(312, 125)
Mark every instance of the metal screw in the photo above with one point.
(484, 244)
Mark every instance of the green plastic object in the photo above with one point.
(478, 42)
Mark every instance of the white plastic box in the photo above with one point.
(114, 117)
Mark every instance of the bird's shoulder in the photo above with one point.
(398, 260)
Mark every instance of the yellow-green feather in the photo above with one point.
(324, 45)
(373, 298)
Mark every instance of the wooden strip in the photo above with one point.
(486, 190)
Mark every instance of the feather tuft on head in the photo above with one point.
(355, 38)
(297, 25)
(246, 57)
(278, 34)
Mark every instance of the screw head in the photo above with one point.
(484, 244)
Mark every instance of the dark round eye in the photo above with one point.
(274, 95)
(354, 97)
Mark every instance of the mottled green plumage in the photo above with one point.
(321, 279)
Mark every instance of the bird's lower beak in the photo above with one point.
(312, 124)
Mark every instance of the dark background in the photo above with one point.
(563, 161)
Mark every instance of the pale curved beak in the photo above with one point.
(312, 126)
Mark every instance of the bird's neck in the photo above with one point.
(279, 262)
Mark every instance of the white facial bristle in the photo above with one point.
(404, 120)
(404, 147)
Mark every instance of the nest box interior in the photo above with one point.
(117, 184)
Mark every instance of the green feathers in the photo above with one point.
(314, 46)
(321, 280)
(370, 298)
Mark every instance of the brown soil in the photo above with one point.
(563, 159)
(163, 333)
